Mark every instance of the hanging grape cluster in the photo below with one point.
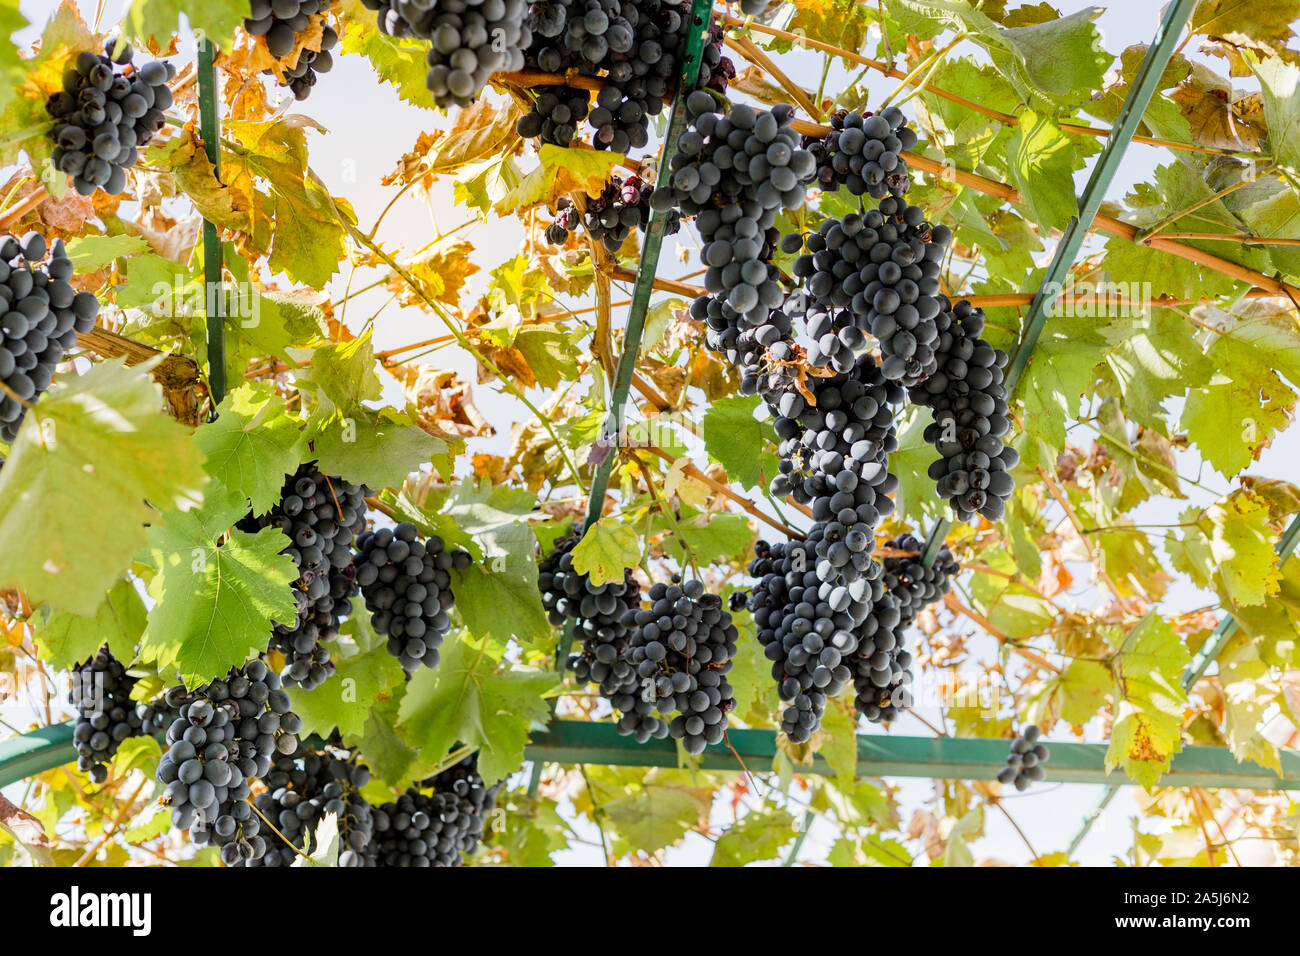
(875, 273)
(106, 715)
(320, 515)
(881, 662)
(302, 789)
(103, 117)
(968, 401)
(862, 153)
(406, 584)
(596, 612)
(1025, 763)
(41, 315)
(682, 648)
(634, 49)
(284, 23)
(808, 641)
(623, 205)
(469, 40)
(227, 732)
(734, 172)
(435, 828)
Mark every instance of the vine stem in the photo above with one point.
(461, 338)
(1016, 826)
(997, 300)
(112, 828)
(1169, 220)
(691, 471)
(750, 51)
(22, 208)
(667, 512)
(953, 603)
(276, 831)
(926, 66)
(1005, 118)
(1072, 516)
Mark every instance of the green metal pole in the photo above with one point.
(649, 261)
(1090, 819)
(1145, 85)
(1218, 640)
(879, 755)
(35, 752)
(1139, 96)
(210, 129)
(647, 266)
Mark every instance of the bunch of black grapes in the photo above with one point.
(597, 612)
(881, 662)
(106, 715)
(809, 627)
(283, 23)
(833, 450)
(320, 515)
(104, 117)
(1025, 763)
(406, 584)
(41, 316)
(682, 648)
(623, 205)
(875, 273)
(735, 172)
(968, 401)
(469, 40)
(634, 48)
(301, 790)
(862, 153)
(435, 828)
(227, 732)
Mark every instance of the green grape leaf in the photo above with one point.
(758, 835)
(1250, 689)
(711, 536)
(399, 63)
(65, 640)
(386, 753)
(215, 603)
(345, 700)
(214, 19)
(375, 448)
(88, 457)
(92, 253)
(1149, 700)
(1041, 160)
(735, 439)
(654, 816)
(252, 445)
(343, 371)
(478, 701)
(917, 498)
(12, 68)
(608, 549)
(561, 173)
(1230, 546)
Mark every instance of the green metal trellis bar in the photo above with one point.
(1208, 652)
(1218, 640)
(879, 755)
(1103, 173)
(210, 128)
(648, 264)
